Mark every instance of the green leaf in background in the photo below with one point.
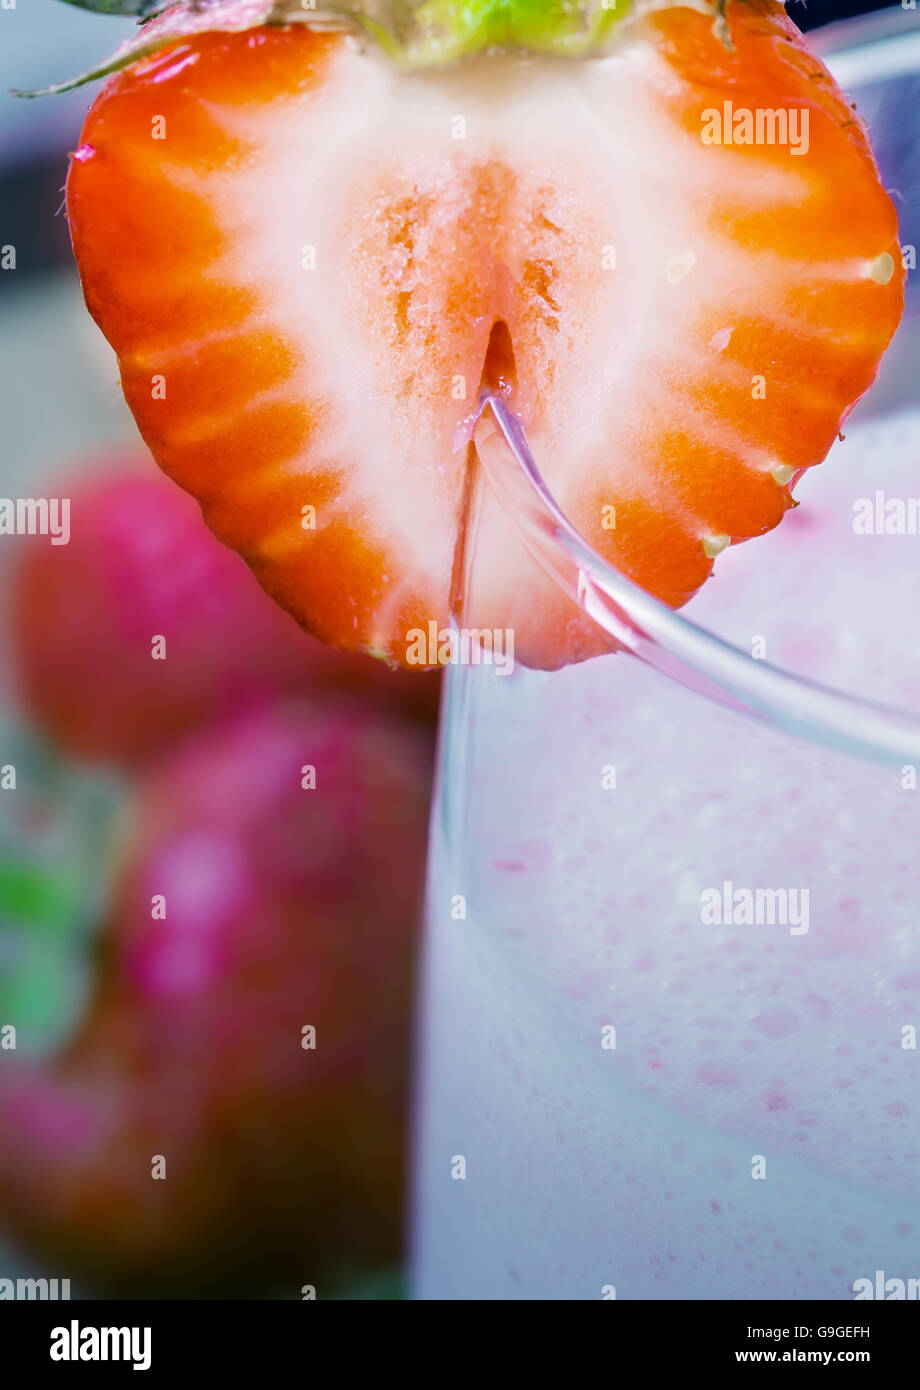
(38, 896)
(41, 970)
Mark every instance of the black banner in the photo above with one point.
(161, 1338)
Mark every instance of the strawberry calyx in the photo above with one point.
(415, 34)
(429, 33)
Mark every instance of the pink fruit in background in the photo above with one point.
(285, 908)
(141, 564)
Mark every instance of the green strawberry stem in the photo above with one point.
(440, 31)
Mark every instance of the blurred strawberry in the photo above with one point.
(285, 908)
(141, 564)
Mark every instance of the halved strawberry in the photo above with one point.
(301, 250)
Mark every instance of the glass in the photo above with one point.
(672, 978)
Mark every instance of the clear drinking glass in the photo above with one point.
(671, 991)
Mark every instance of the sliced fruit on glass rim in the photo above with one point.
(301, 242)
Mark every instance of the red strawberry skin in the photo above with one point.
(285, 907)
(141, 564)
(333, 385)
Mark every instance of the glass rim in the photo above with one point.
(676, 646)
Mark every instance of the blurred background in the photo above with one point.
(177, 909)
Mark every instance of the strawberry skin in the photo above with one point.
(299, 257)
